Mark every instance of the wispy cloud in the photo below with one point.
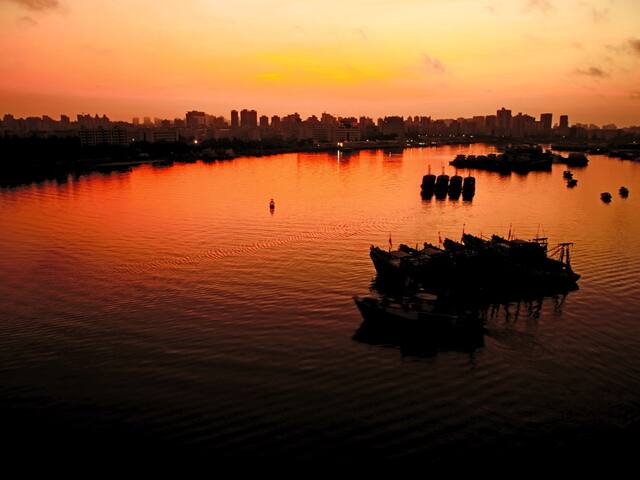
(362, 33)
(594, 72)
(632, 45)
(37, 5)
(543, 6)
(433, 64)
(599, 15)
(27, 21)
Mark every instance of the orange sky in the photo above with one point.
(444, 58)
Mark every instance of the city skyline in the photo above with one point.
(372, 57)
(552, 118)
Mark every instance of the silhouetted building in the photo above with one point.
(546, 123)
(196, 119)
(106, 136)
(393, 127)
(235, 121)
(564, 121)
(503, 122)
(248, 119)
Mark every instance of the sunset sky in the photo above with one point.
(445, 58)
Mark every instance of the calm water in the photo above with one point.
(168, 307)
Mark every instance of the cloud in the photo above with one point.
(362, 33)
(433, 64)
(593, 72)
(27, 21)
(492, 9)
(37, 5)
(632, 46)
(543, 6)
(599, 16)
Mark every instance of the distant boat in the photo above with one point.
(577, 159)
(624, 192)
(572, 182)
(272, 204)
(567, 174)
(417, 313)
(606, 197)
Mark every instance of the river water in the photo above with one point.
(168, 308)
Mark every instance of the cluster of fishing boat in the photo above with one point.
(520, 159)
(607, 197)
(443, 185)
(477, 265)
(442, 291)
(568, 176)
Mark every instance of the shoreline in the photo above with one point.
(13, 176)
(16, 177)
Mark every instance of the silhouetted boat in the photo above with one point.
(272, 204)
(624, 192)
(567, 174)
(577, 159)
(606, 197)
(518, 158)
(468, 188)
(497, 265)
(420, 311)
(572, 182)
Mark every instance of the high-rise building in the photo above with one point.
(136, 121)
(394, 127)
(196, 119)
(264, 121)
(546, 122)
(235, 123)
(564, 122)
(248, 118)
(504, 121)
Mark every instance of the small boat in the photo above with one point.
(572, 182)
(606, 197)
(577, 159)
(567, 174)
(272, 204)
(418, 312)
(624, 192)
(468, 188)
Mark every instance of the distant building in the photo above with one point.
(546, 123)
(393, 126)
(564, 121)
(504, 122)
(490, 124)
(196, 119)
(163, 134)
(264, 121)
(235, 122)
(248, 119)
(104, 136)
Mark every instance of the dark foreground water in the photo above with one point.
(167, 310)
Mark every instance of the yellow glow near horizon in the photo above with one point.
(374, 57)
